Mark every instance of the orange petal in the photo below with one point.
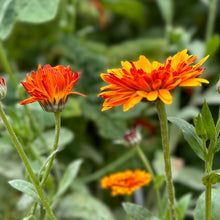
(143, 63)
(165, 96)
(191, 82)
(132, 102)
(150, 96)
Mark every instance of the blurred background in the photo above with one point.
(92, 36)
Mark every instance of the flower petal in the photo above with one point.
(165, 96)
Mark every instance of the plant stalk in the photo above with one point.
(24, 158)
(211, 19)
(149, 169)
(161, 111)
(55, 145)
(208, 203)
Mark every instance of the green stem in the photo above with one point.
(211, 19)
(121, 160)
(55, 145)
(208, 199)
(6, 65)
(149, 169)
(24, 158)
(210, 155)
(161, 111)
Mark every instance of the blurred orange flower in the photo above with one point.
(142, 79)
(50, 86)
(125, 183)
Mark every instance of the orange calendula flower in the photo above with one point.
(50, 86)
(125, 183)
(144, 80)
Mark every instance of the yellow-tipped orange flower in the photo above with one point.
(125, 183)
(50, 86)
(144, 80)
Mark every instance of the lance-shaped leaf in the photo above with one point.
(138, 212)
(25, 187)
(208, 122)
(190, 135)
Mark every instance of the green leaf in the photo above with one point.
(69, 176)
(159, 181)
(217, 145)
(25, 187)
(186, 174)
(47, 161)
(208, 122)
(166, 8)
(82, 206)
(200, 129)
(138, 212)
(199, 212)
(36, 11)
(213, 45)
(182, 206)
(65, 137)
(212, 177)
(190, 135)
(131, 9)
(7, 18)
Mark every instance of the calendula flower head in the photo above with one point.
(3, 88)
(50, 86)
(125, 183)
(131, 138)
(150, 81)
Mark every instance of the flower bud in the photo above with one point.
(3, 89)
(131, 138)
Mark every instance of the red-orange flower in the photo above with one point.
(50, 86)
(125, 183)
(142, 79)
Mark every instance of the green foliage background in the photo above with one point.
(92, 36)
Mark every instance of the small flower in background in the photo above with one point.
(3, 88)
(125, 183)
(131, 138)
(50, 86)
(144, 80)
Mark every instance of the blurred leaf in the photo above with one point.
(7, 18)
(130, 9)
(159, 181)
(182, 206)
(213, 177)
(68, 176)
(131, 50)
(212, 45)
(82, 206)
(72, 109)
(217, 145)
(208, 122)
(191, 177)
(199, 212)
(138, 212)
(166, 8)
(65, 137)
(36, 11)
(190, 135)
(25, 187)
